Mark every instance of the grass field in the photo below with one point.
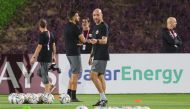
(154, 101)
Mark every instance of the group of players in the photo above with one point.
(74, 38)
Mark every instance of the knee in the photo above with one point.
(92, 76)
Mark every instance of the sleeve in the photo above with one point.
(167, 38)
(105, 31)
(53, 38)
(178, 41)
(40, 39)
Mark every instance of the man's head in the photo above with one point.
(171, 23)
(97, 16)
(42, 25)
(85, 23)
(74, 16)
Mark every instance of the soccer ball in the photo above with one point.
(40, 97)
(15, 98)
(81, 107)
(47, 98)
(65, 98)
(137, 107)
(145, 107)
(27, 95)
(11, 98)
(128, 107)
(19, 99)
(23, 96)
(108, 108)
(32, 98)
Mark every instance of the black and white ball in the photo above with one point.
(20, 98)
(145, 107)
(40, 97)
(47, 98)
(65, 98)
(32, 98)
(15, 98)
(11, 98)
(82, 107)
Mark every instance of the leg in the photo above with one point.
(97, 76)
(69, 87)
(102, 80)
(74, 80)
(44, 75)
(76, 68)
(96, 81)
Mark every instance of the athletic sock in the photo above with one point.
(69, 92)
(73, 94)
(103, 96)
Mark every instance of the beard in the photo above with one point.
(77, 21)
(97, 21)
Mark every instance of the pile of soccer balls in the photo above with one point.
(32, 98)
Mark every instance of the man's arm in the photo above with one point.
(54, 53)
(90, 58)
(166, 37)
(82, 38)
(36, 53)
(102, 41)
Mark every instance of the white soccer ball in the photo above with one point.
(27, 95)
(32, 98)
(99, 107)
(47, 98)
(23, 95)
(145, 107)
(81, 107)
(65, 98)
(114, 108)
(40, 97)
(19, 99)
(137, 107)
(11, 98)
(128, 107)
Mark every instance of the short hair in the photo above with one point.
(86, 18)
(71, 14)
(169, 19)
(43, 23)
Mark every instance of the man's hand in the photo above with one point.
(93, 41)
(80, 43)
(32, 60)
(54, 59)
(90, 61)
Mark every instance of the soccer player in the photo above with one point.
(87, 47)
(73, 37)
(100, 54)
(45, 53)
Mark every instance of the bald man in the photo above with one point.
(171, 40)
(100, 55)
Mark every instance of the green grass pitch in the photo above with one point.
(154, 101)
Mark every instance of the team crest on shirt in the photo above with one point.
(90, 35)
(97, 31)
